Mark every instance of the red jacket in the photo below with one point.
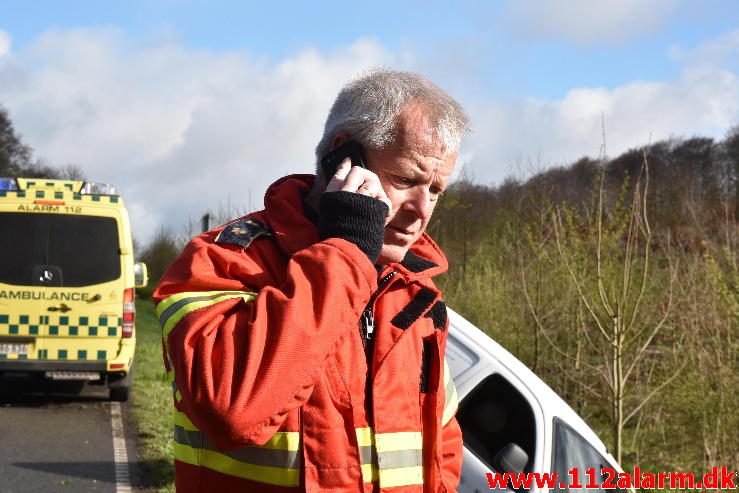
(261, 332)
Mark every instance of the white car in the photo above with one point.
(512, 421)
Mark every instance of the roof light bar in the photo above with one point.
(94, 188)
(8, 184)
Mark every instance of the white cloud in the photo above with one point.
(177, 131)
(4, 44)
(703, 100)
(720, 52)
(587, 21)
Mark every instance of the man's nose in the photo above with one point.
(419, 201)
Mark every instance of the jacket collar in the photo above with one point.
(294, 231)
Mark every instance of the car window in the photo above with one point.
(58, 249)
(572, 451)
(492, 416)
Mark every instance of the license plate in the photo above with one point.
(13, 348)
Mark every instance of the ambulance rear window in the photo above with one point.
(58, 249)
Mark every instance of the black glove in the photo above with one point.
(354, 217)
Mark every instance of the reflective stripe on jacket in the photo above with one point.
(269, 373)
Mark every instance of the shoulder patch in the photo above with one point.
(243, 232)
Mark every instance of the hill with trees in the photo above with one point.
(617, 281)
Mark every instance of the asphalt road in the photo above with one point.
(61, 441)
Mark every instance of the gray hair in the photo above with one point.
(368, 106)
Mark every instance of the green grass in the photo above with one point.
(152, 403)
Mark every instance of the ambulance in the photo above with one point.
(67, 279)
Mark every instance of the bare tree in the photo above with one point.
(731, 144)
(617, 324)
(14, 154)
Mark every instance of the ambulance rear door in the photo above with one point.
(23, 306)
(74, 259)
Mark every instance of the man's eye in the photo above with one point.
(404, 181)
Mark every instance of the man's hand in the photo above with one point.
(347, 209)
(360, 180)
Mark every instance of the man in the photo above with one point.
(306, 341)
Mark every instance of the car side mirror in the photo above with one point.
(140, 275)
(510, 458)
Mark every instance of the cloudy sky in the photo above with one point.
(188, 105)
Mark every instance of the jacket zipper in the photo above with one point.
(368, 316)
(368, 340)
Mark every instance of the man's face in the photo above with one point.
(413, 172)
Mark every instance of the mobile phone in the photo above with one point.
(331, 161)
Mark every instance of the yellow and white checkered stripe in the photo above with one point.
(59, 325)
(73, 198)
(62, 337)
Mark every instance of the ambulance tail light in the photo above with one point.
(129, 313)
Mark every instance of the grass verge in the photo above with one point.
(152, 403)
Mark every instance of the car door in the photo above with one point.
(85, 305)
